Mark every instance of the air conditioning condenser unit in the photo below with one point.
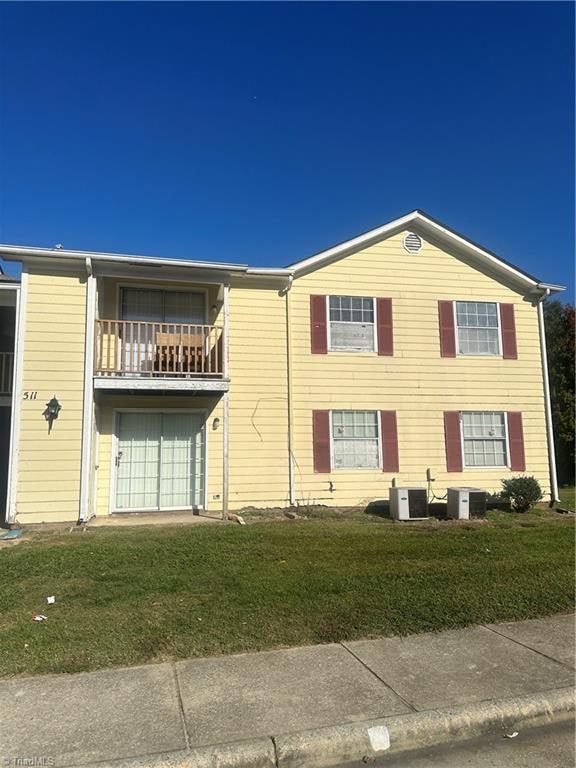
(464, 503)
(408, 503)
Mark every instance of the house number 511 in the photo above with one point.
(29, 395)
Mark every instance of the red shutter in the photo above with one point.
(321, 440)
(447, 332)
(453, 441)
(389, 438)
(318, 335)
(384, 326)
(508, 325)
(516, 442)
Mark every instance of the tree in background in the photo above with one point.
(559, 320)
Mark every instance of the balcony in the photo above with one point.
(130, 354)
(6, 373)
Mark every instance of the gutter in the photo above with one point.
(547, 403)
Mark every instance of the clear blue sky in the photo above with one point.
(264, 132)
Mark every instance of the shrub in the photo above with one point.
(521, 492)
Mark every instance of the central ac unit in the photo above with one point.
(464, 503)
(408, 503)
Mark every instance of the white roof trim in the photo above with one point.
(416, 218)
(23, 253)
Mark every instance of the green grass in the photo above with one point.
(128, 596)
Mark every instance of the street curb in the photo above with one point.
(333, 746)
(255, 753)
(368, 740)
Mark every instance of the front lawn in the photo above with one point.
(127, 596)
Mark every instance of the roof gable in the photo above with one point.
(433, 230)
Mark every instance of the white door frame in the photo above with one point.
(113, 469)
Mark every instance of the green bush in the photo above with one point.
(521, 492)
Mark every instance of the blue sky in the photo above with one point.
(263, 132)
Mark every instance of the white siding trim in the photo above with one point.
(17, 373)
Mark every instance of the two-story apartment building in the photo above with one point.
(194, 385)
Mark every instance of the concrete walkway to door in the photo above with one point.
(122, 519)
(314, 706)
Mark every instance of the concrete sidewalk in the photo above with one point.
(307, 706)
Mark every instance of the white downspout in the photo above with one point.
(547, 403)
(291, 479)
(88, 403)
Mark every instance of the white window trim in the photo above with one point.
(457, 332)
(354, 350)
(380, 454)
(495, 467)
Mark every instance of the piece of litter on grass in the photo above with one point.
(39, 617)
(511, 735)
(51, 600)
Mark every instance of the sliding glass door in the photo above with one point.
(142, 307)
(160, 461)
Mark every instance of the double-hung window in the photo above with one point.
(478, 328)
(484, 438)
(355, 440)
(352, 323)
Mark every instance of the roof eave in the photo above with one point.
(27, 254)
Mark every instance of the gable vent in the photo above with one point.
(412, 242)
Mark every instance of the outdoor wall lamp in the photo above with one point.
(53, 408)
(216, 423)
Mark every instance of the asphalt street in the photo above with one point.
(547, 747)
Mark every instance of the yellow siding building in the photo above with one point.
(408, 356)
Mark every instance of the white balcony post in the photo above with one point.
(226, 408)
(88, 403)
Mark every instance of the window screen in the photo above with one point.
(484, 434)
(355, 439)
(477, 324)
(351, 323)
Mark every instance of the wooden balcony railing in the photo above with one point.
(134, 348)
(6, 372)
